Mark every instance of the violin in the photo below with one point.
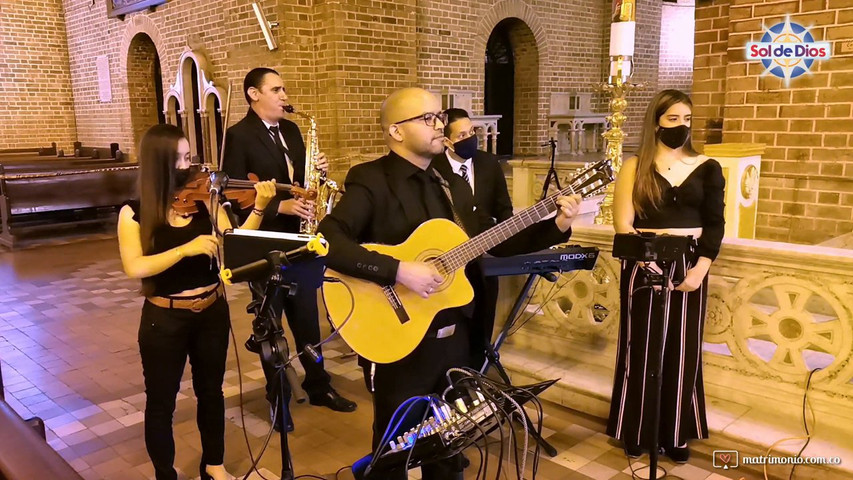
(240, 191)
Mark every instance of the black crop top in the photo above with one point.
(189, 272)
(697, 202)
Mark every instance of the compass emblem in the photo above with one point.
(787, 50)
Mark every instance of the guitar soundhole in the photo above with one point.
(431, 256)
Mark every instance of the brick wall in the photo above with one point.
(806, 192)
(647, 65)
(571, 38)
(676, 45)
(340, 58)
(36, 105)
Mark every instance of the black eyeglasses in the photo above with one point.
(429, 118)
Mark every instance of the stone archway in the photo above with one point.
(139, 65)
(144, 86)
(518, 24)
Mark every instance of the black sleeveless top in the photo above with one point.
(698, 202)
(189, 272)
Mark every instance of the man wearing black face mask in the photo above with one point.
(483, 172)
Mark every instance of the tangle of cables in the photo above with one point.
(474, 411)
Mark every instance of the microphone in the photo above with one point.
(316, 247)
(218, 182)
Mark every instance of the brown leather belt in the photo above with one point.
(196, 304)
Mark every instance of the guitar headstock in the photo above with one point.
(591, 178)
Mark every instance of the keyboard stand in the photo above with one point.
(493, 356)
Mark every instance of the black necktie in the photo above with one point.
(433, 197)
(463, 172)
(277, 139)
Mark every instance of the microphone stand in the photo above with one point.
(267, 332)
(663, 249)
(493, 355)
(552, 170)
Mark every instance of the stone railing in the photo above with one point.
(775, 312)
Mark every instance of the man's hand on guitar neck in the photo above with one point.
(419, 277)
(568, 208)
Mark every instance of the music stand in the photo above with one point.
(282, 278)
(664, 250)
(492, 351)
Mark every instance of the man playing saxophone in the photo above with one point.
(267, 144)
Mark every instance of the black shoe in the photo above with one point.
(631, 450)
(677, 454)
(275, 423)
(333, 400)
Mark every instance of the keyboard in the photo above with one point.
(555, 259)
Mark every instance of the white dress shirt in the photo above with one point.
(455, 165)
(286, 156)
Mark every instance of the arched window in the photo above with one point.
(194, 103)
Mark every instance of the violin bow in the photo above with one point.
(215, 215)
(224, 126)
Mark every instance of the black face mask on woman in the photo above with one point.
(674, 137)
(182, 177)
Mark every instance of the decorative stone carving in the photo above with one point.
(181, 103)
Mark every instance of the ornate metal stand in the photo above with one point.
(614, 136)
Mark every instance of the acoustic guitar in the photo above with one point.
(387, 323)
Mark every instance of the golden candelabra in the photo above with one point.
(617, 89)
(618, 86)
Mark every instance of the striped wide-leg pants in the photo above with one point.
(682, 406)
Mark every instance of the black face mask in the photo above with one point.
(466, 148)
(674, 137)
(182, 177)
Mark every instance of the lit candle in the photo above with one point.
(622, 33)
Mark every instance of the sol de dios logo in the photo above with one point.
(787, 50)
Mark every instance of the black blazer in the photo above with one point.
(249, 148)
(377, 209)
(490, 191)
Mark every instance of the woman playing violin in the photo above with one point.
(185, 312)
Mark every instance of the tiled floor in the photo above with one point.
(68, 323)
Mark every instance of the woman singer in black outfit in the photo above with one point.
(185, 312)
(667, 188)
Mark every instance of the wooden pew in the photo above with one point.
(24, 454)
(14, 152)
(41, 200)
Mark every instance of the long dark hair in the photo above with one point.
(647, 193)
(158, 153)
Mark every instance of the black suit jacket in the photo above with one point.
(249, 148)
(490, 191)
(377, 209)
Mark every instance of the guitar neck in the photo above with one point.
(459, 256)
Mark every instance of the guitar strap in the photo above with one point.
(446, 188)
(467, 310)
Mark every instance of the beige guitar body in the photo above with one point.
(376, 330)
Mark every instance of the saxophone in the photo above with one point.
(315, 179)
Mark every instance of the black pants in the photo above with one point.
(303, 320)
(421, 372)
(641, 335)
(483, 328)
(166, 338)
